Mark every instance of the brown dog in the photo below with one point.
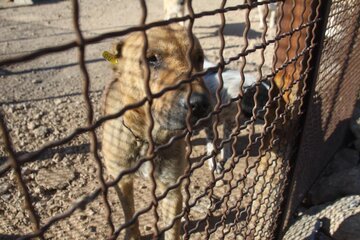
(125, 138)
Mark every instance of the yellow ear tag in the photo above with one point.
(110, 57)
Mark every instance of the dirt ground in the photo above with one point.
(41, 100)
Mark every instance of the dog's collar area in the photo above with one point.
(137, 138)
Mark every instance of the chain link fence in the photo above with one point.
(334, 93)
(96, 193)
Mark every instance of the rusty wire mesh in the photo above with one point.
(333, 97)
(244, 200)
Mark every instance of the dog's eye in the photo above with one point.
(153, 60)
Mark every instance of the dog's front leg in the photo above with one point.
(261, 13)
(125, 192)
(171, 207)
(210, 148)
(227, 150)
(212, 163)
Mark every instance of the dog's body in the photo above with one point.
(232, 84)
(125, 139)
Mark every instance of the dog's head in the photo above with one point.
(166, 58)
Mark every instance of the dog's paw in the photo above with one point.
(219, 168)
(213, 165)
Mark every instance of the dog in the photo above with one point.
(232, 83)
(174, 8)
(273, 12)
(125, 138)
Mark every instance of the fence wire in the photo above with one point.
(334, 92)
(242, 201)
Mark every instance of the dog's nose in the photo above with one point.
(199, 103)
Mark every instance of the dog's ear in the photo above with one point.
(117, 48)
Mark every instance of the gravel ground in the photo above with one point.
(41, 100)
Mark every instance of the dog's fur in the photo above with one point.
(174, 8)
(231, 80)
(232, 83)
(125, 139)
(273, 12)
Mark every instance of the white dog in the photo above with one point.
(231, 89)
(272, 14)
(174, 8)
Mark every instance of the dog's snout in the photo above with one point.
(199, 104)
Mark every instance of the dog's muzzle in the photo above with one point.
(199, 104)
